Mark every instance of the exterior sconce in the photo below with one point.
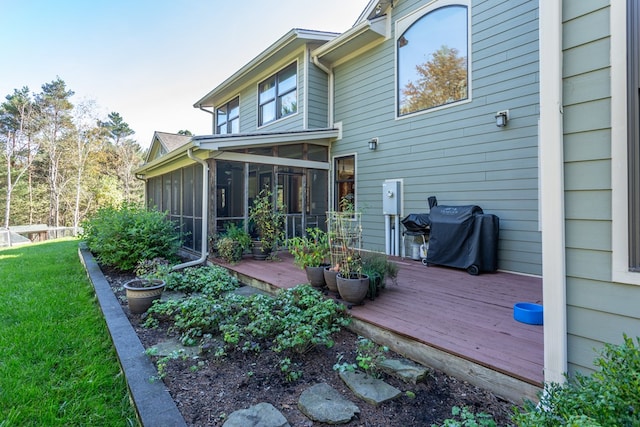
(373, 143)
(502, 117)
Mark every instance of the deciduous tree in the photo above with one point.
(441, 80)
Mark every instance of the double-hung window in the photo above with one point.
(433, 57)
(228, 117)
(278, 95)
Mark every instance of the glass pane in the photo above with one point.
(268, 112)
(317, 153)
(289, 104)
(187, 194)
(175, 192)
(267, 90)
(318, 194)
(197, 192)
(234, 108)
(235, 126)
(221, 120)
(287, 79)
(345, 168)
(230, 189)
(432, 60)
(290, 151)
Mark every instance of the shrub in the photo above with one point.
(607, 397)
(292, 323)
(463, 417)
(211, 280)
(233, 243)
(122, 237)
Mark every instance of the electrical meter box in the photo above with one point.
(391, 198)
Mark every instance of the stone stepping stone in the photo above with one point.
(404, 370)
(260, 415)
(369, 389)
(172, 346)
(325, 404)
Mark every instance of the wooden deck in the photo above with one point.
(444, 318)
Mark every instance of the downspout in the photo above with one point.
(213, 114)
(205, 211)
(551, 173)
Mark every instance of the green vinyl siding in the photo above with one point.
(249, 103)
(598, 310)
(455, 153)
(318, 93)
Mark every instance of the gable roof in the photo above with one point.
(163, 143)
(286, 45)
(374, 9)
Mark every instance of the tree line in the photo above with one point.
(62, 161)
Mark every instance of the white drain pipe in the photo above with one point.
(205, 211)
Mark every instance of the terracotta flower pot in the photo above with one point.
(353, 289)
(141, 293)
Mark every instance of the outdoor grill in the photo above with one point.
(458, 236)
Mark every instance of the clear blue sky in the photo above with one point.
(149, 60)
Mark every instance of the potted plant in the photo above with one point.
(233, 243)
(378, 268)
(311, 252)
(148, 285)
(345, 234)
(268, 220)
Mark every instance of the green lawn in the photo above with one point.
(57, 363)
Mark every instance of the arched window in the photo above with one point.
(432, 59)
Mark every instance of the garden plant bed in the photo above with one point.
(207, 389)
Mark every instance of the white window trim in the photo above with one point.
(332, 177)
(403, 23)
(215, 112)
(260, 126)
(619, 152)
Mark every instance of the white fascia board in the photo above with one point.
(167, 158)
(216, 143)
(363, 34)
(268, 160)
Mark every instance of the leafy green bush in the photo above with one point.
(463, 417)
(122, 237)
(212, 280)
(607, 397)
(233, 243)
(293, 322)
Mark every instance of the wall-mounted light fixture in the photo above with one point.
(373, 143)
(502, 118)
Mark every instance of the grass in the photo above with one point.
(57, 364)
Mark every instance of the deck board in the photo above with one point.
(445, 308)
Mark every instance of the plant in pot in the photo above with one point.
(378, 268)
(232, 244)
(353, 283)
(148, 285)
(345, 233)
(311, 253)
(268, 218)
